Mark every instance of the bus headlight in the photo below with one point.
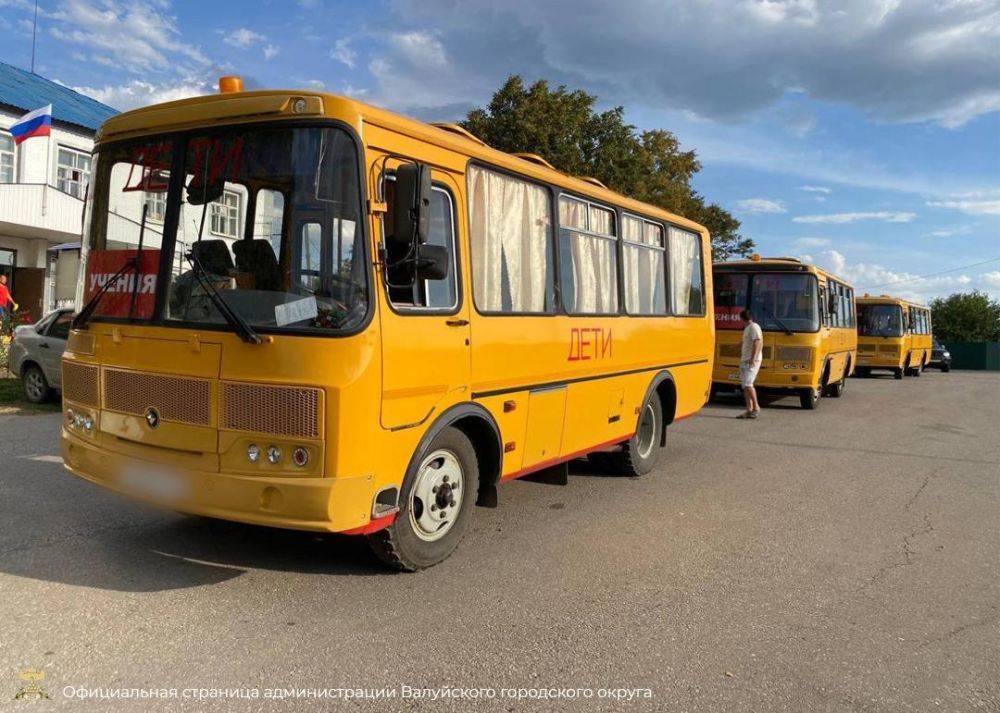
(253, 453)
(88, 422)
(273, 454)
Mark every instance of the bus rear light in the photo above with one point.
(300, 456)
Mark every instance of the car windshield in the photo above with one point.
(267, 217)
(880, 321)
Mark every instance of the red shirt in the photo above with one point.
(5, 298)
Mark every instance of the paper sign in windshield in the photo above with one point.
(297, 311)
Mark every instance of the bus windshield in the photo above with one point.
(880, 321)
(268, 219)
(778, 302)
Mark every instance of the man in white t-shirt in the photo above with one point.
(750, 356)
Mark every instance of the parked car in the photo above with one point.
(940, 356)
(36, 354)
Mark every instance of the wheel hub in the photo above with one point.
(436, 497)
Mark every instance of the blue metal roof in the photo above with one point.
(26, 91)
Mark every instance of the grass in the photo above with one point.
(12, 399)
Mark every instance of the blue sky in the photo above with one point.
(861, 134)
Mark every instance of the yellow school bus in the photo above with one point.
(305, 312)
(807, 316)
(893, 335)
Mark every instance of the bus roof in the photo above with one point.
(273, 104)
(887, 300)
(774, 264)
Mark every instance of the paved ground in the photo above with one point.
(844, 559)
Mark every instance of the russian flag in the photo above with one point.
(34, 123)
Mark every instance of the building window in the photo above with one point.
(509, 223)
(72, 171)
(156, 206)
(6, 158)
(588, 258)
(643, 252)
(226, 215)
(686, 284)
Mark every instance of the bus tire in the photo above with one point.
(809, 399)
(897, 373)
(640, 454)
(837, 390)
(863, 372)
(411, 542)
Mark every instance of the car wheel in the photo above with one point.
(640, 454)
(35, 385)
(438, 495)
(946, 367)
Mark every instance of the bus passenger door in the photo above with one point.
(425, 328)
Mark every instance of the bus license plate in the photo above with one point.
(154, 483)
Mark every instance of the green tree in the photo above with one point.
(966, 317)
(563, 127)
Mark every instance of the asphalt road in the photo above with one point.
(846, 559)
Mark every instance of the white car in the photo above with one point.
(36, 354)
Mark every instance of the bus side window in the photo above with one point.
(686, 285)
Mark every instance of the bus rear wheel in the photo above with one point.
(809, 399)
(436, 500)
(640, 454)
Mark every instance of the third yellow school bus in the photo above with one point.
(893, 334)
(306, 312)
(807, 316)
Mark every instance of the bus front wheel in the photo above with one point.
(639, 455)
(897, 373)
(435, 505)
(809, 399)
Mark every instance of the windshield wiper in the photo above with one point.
(235, 320)
(781, 324)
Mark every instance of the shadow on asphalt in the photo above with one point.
(179, 552)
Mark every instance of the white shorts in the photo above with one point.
(747, 375)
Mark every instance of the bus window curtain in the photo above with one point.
(683, 257)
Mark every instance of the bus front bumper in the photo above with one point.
(316, 504)
(769, 378)
(873, 361)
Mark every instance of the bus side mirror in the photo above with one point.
(433, 263)
(411, 208)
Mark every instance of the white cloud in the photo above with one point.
(317, 84)
(919, 60)
(761, 205)
(949, 232)
(138, 36)
(883, 215)
(270, 52)
(419, 49)
(816, 189)
(136, 92)
(343, 53)
(877, 279)
(972, 207)
(241, 37)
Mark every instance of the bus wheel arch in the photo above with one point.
(664, 386)
(482, 431)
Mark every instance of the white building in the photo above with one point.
(42, 186)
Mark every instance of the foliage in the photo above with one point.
(966, 317)
(563, 127)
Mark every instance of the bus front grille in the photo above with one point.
(866, 347)
(794, 353)
(888, 348)
(176, 398)
(80, 383)
(280, 410)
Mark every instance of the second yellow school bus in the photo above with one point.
(893, 334)
(306, 312)
(807, 316)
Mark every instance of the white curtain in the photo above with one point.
(684, 261)
(509, 232)
(643, 269)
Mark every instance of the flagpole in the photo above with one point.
(34, 28)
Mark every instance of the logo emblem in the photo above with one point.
(32, 689)
(152, 417)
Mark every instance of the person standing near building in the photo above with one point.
(750, 357)
(7, 304)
